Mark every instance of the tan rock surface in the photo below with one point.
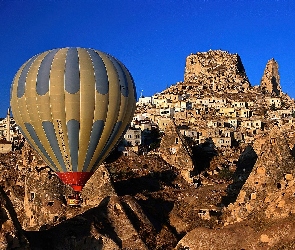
(270, 182)
(270, 82)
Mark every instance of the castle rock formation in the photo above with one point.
(216, 70)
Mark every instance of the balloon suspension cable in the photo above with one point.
(77, 195)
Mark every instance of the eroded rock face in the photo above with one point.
(106, 226)
(176, 152)
(216, 70)
(269, 191)
(270, 82)
(11, 233)
(278, 235)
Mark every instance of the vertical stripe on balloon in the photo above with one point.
(96, 132)
(35, 138)
(73, 128)
(51, 137)
(101, 77)
(122, 77)
(23, 78)
(72, 72)
(42, 85)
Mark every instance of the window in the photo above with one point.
(32, 196)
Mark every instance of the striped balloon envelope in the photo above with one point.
(73, 105)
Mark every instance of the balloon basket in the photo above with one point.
(74, 200)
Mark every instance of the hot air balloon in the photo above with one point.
(73, 105)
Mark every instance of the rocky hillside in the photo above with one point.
(143, 202)
(180, 195)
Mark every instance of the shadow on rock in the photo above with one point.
(245, 166)
(157, 211)
(148, 183)
(76, 233)
(202, 155)
(293, 151)
(16, 238)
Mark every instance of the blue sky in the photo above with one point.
(152, 38)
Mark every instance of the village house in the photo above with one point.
(4, 125)
(10, 134)
(244, 113)
(139, 117)
(133, 137)
(163, 122)
(252, 126)
(182, 106)
(145, 101)
(285, 113)
(5, 146)
(190, 132)
(236, 104)
(273, 101)
(174, 97)
(228, 112)
(143, 125)
(222, 141)
(215, 124)
(231, 123)
(204, 101)
(167, 112)
(163, 103)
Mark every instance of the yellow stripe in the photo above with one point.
(101, 106)
(100, 113)
(72, 108)
(24, 117)
(43, 109)
(57, 104)
(87, 104)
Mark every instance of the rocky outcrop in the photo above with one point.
(268, 193)
(278, 235)
(45, 197)
(176, 152)
(11, 232)
(110, 225)
(216, 70)
(270, 82)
